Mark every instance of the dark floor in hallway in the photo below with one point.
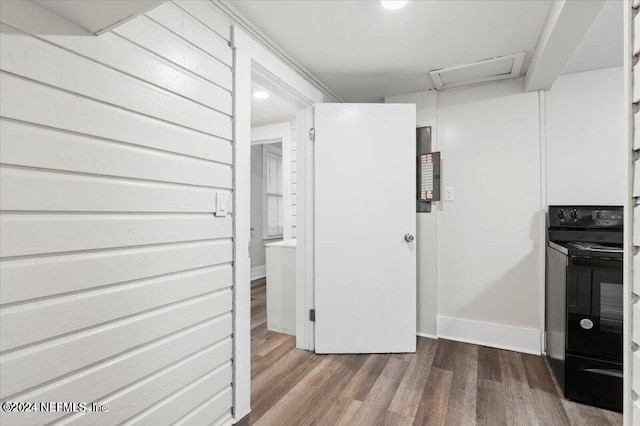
(444, 382)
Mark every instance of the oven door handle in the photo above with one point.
(589, 262)
(605, 372)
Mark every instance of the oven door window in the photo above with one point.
(610, 309)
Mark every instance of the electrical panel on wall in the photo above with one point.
(428, 171)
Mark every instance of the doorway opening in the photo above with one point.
(255, 65)
(272, 220)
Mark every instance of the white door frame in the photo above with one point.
(279, 133)
(253, 62)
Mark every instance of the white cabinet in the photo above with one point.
(281, 286)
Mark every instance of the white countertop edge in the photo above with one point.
(284, 243)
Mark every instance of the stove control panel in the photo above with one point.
(585, 217)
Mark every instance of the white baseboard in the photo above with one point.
(279, 328)
(427, 335)
(258, 272)
(229, 422)
(500, 336)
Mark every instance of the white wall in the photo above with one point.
(426, 222)
(585, 138)
(480, 257)
(116, 276)
(479, 264)
(490, 237)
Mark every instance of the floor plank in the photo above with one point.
(490, 408)
(377, 401)
(463, 396)
(548, 406)
(358, 388)
(435, 400)
(489, 364)
(407, 398)
(517, 394)
(443, 383)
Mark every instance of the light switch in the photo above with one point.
(222, 203)
(448, 193)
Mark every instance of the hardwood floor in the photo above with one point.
(443, 383)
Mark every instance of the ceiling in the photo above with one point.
(271, 110)
(363, 52)
(602, 46)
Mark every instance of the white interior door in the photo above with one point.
(365, 269)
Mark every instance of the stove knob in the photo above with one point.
(574, 214)
(561, 214)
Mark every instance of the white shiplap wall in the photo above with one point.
(116, 276)
(294, 143)
(632, 55)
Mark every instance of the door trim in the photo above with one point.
(254, 62)
(305, 332)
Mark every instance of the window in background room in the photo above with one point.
(272, 157)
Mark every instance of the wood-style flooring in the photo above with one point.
(443, 383)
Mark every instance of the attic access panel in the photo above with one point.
(499, 68)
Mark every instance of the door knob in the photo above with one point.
(408, 237)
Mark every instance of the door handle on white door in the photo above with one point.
(408, 237)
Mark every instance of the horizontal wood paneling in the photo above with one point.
(26, 234)
(24, 145)
(26, 324)
(37, 190)
(636, 323)
(195, 32)
(636, 225)
(31, 58)
(23, 100)
(214, 411)
(636, 371)
(179, 405)
(636, 277)
(75, 272)
(116, 273)
(115, 52)
(158, 386)
(636, 182)
(53, 359)
(636, 134)
(294, 177)
(98, 381)
(207, 13)
(152, 36)
(636, 83)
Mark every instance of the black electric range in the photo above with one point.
(584, 302)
